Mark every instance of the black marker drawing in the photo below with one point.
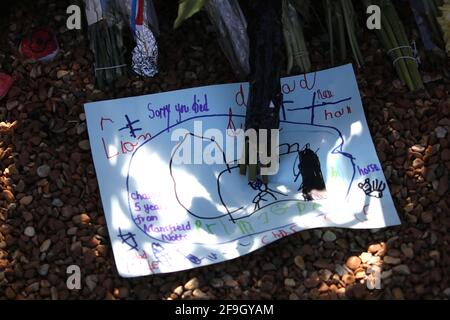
(313, 185)
(264, 191)
(204, 193)
(373, 189)
(129, 237)
(306, 166)
(267, 196)
(177, 193)
(130, 127)
(212, 256)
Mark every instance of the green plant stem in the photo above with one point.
(348, 13)
(296, 50)
(388, 35)
(330, 30)
(400, 34)
(341, 30)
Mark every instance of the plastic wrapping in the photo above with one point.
(444, 23)
(106, 42)
(428, 28)
(145, 54)
(150, 19)
(141, 18)
(124, 11)
(230, 23)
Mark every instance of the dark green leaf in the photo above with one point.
(186, 9)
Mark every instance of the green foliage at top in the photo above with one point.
(186, 9)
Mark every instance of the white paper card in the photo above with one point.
(163, 216)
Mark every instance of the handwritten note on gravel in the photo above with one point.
(167, 215)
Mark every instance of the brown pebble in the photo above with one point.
(353, 262)
(311, 282)
(417, 163)
(323, 288)
(26, 200)
(374, 248)
(81, 219)
(445, 155)
(398, 294)
(178, 290)
(391, 260)
(84, 145)
(407, 251)
(122, 293)
(299, 262)
(356, 291)
(172, 296)
(192, 284)
(348, 279)
(426, 216)
(8, 196)
(10, 294)
(402, 269)
(199, 294)
(289, 282)
(109, 296)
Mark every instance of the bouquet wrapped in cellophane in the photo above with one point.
(444, 22)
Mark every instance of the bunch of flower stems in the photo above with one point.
(393, 37)
(444, 23)
(296, 51)
(106, 43)
(341, 14)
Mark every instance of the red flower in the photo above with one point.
(40, 45)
